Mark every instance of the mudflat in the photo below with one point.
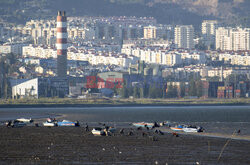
(73, 145)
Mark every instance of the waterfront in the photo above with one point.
(63, 145)
(215, 119)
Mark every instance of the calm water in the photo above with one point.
(213, 118)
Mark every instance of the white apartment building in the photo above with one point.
(233, 39)
(240, 39)
(223, 40)
(164, 56)
(39, 52)
(184, 36)
(11, 48)
(208, 29)
(149, 32)
(93, 58)
(235, 59)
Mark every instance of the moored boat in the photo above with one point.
(98, 131)
(192, 129)
(143, 124)
(67, 123)
(18, 124)
(177, 128)
(50, 123)
(25, 120)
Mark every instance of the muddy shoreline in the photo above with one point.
(64, 145)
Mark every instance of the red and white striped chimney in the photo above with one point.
(61, 44)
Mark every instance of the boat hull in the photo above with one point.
(66, 124)
(24, 120)
(49, 124)
(97, 132)
(150, 125)
(191, 130)
(176, 129)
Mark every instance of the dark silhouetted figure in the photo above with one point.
(77, 124)
(8, 124)
(238, 131)
(130, 133)
(87, 128)
(161, 133)
(122, 131)
(156, 125)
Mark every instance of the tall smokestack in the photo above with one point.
(61, 44)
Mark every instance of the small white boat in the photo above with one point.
(49, 124)
(98, 131)
(192, 129)
(25, 120)
(143, 124)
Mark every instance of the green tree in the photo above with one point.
(142, 93)
(183, 89)
(151, 92)
(192, 87)
(136, 93)
(199, 88)
(171, 91)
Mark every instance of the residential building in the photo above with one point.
(233, 39)
(149, 32)
(208, 32)
(184, 36)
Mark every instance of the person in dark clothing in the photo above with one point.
(122, 131)
(8, 124)
(130, 133)
(238, 131)
(77, 124)
(156, 124)
(161, 132)
(87, 128)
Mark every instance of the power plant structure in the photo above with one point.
(61, 44)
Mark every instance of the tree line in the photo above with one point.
(7, 67)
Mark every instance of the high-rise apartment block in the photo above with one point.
(149, 32)
(240, 39)
(61, 44)
(233, 39)
(223, 41)
(184, 36)
(208, 30)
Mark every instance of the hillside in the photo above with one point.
(165, 11)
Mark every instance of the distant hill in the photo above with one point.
(232, 12)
